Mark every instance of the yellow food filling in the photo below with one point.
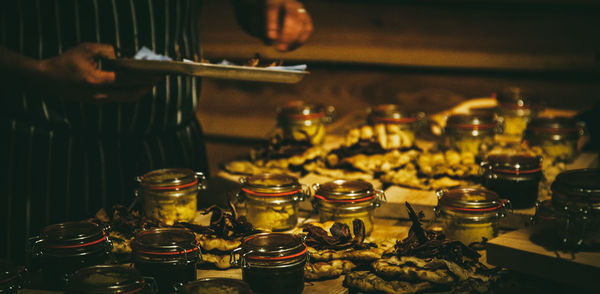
(171, 209)
(272, 217)
(514, 125)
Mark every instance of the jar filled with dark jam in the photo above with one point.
(214, 286)
(572, 217)
(558, 137)
(12, 278)
(169, 255)
(272, 262)
(63, 248)
(109, 279)
(515, 177)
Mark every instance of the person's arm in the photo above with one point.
(284, 24)
(73, 74)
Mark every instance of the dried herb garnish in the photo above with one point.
(223, 224)
(430, 244)
(340, 237)
(127, 223)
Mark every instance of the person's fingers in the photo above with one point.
(101, 50)
(307, 28)
(272, 19)
(100, 77)
(292, 26)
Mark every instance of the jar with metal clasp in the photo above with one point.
(63, 248)
(169, 255)
(472, 133)
(170, 195)
(272, 262)
(300, 121)
(271, 200)
(558, 137)
(516, 108)
(343, 201)
(572, 217)
(470, 215)
(12, 278)
(215, 285)
(110, 279)
(399, 126)
(515, 177)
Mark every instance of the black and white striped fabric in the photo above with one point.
(63, 160)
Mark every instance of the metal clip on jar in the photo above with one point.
(215, 285)
(109, 279)
(515, 177)
(171, 194)
(470, 214)
(558, 137)
(343, 201)
(472, 133)
(300, 121)
(516, 108)
(396, 122)
(271, 200)
(272, 262)
(573, 214)
(12, 278)
(62, 248)
(169, 255)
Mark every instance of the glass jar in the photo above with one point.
(516, 108)
(171, 195)
(572, 216)
(343, 201)
(558, 137)
(169, 255)
(12, 278)
(472, 133)
(397, 123)
(515, 177)
(271, 200)
(470, 214)
(109, 279)
(62, 248)
(300, 121)
(215, 285)
(272, 262)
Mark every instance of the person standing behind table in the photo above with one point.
(74, 136)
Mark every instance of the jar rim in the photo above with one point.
(300, 110)
(70, 235)
(470, 200)
(169, 179)
(473, 121)
(392, 113)
(127, 280)
(519, 163)
(165, 242)
(580, 187)
(345, 191)
(273, 246)
(555, 125)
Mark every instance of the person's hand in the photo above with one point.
(284, 24)
(75, 75)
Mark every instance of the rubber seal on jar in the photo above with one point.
(271, 194)
(279, 257)
(518, 172)
(346, 200)
(306, 116)
(185, 251)
(174, 187)
(79, 245)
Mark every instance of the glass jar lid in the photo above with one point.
(106, 279)
(519, 163)
(345, 191)
(166, 242)
(299, 110)
(556, 128)
(474, 200)
(215, 285)
(273, 247)
(391, 113)
(271, 185)
(170, 179)
(515, 98)
(579, 188)
(472, 122)
(71, 235)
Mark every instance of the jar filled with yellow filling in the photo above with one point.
(516, 108)
(344, 201)
(170, 195)
(558, 137)
(470, 215)
(299, 121)
(472, 133)
(400, 126)
(270, 201)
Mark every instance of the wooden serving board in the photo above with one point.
(516, 251)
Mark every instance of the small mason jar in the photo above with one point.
(110, 279)
(169, 255)
(301, 121)
(344, 201)
(516, 108)
(62, 248)
(396, 122)
(515, 177)
(470, 214)
(472, 133)
(271, 200)
(272, 262)
(170, 195)
(12, 278)
(572, 217)
(215, 285)
(558, 137)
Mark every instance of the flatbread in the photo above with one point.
(327, 269)
(366, 281)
